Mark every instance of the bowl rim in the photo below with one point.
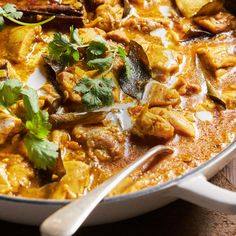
(213, 160)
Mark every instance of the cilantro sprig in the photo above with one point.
(10, 12)
(96, 93)
(99, 54)
(42, 153)
(63, 51)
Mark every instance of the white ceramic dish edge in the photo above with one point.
(192, 187)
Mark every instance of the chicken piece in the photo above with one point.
(218, 56)
(216, 24)
(163, 62)
(151, 124)
(9, 126)
(160, 95)
(67, 82)
(21, 42)
(191, 8)
(145, 24)
(108, 16)
(161, 123)
(71, 186)
(103, 143)
(15, 172)
(118, 36)
(88, 34)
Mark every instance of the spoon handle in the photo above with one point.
(68, 219)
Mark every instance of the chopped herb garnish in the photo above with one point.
(101, 63)
(96, 49)
(39, 125)
(10, 12)
(10, 91)
(74, 36)
(63, 51)
(42, 153)
(96, 93)
(123, 55)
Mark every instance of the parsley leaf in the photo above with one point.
(101, 63)
(96, 93)
(96, 48)
(74, 36)
(9, 92)
(39, 125)
(30, 98)
(123, 55)
(41, 152)
(62, 50)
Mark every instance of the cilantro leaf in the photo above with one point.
(39, 125)
(9, 92)
(74, 36)
(42, 153)
(96, 48)
(30, 99)
(11, 11)
(123, 55)
(101, 63)
(62, 50)
(96, 93)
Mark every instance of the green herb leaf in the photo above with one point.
(30, 99)
(74, 36)
(62, 50)
(96, 48)
(42, 153)
(9, 92)
(96, 93)
(101, 63)
(123, 55)
(39, 125)
(11, 11)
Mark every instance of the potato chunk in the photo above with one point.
(191, 8)
(21, 41)
(218, 56)
(160, 95)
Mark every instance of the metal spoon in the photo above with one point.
(68, 219)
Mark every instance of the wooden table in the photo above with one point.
(179, 219)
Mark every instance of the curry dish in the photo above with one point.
(88, 86)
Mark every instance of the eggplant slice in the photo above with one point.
(134, 84)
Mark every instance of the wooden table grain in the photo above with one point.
(178, 219)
